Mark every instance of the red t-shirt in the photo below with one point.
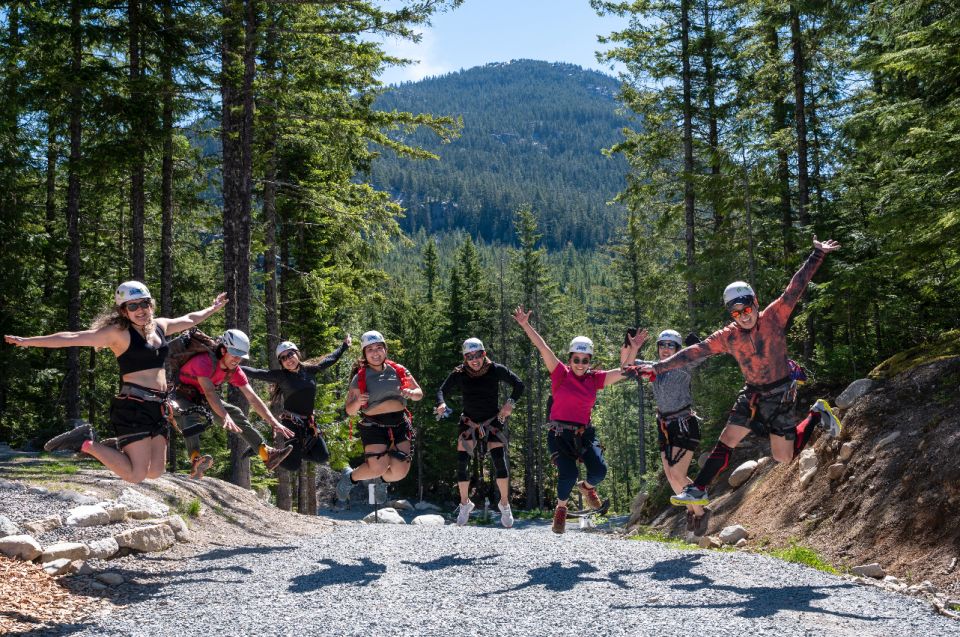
(201, 366)
(574, 396)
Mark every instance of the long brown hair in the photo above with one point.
(116, 316)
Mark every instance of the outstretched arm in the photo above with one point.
(332, 357)
(103, 337)
(523, 319)
(185, 322)
(258, 406)
(803, 276)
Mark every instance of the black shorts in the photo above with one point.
(305, 446)
(389, 429)
(134, 420)
(495, 430)
(679, 433)
(765, 414)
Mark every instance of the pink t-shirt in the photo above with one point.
(574, 396)
(201, 366)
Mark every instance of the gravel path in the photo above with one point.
(393, 580)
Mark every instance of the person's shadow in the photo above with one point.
(365, 572)
(558, 578)
(449, 561)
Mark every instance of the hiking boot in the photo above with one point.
(690, 495)
(200, 465)
(590, 497)
(276, 456)
(828, 420)
(506, 515)
(691, 521)
(464, 515)
(71, 440)
(344, 485)
(560, 519)
(702, 522)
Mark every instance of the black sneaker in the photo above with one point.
(71, 440)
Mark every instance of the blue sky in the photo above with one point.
(483, 31)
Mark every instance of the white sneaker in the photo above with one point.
(506, 516)
(464, 514)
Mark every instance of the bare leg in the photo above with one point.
(678, 478)
(158, 457)
(398, 469)
(372, 467)
(130, 465)
(781, 448)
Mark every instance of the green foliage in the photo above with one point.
(646, 534)
(190, 509)
(802, 555)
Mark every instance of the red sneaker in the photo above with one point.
(560, 519)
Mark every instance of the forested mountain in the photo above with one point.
(533, 132)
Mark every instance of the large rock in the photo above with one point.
(808, 460)
(742, 473)
(385, 515)
(763, 462)
(180, 529)
(431, 519)
(7, 527)
(709, 542)
(147, 539)
(835, 471)
(88, 515)
(423, 505)
(854, 391)
(115, 510)
(65, 550)
(400, 505)
(136, 500)
(58, 567)
(21, 547)
(733, 534)
(807, 477)
(43, 525)
(77, 498)
(886, 440)
(846, 451)
(103, 549)
(873, 570)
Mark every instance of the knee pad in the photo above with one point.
(463, 466)
(499, 457)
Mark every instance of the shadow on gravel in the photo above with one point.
(365, 572)
(449, 561)
(754, 601)
(224, 553)
(51, 631)
(558, 578)
(140, 586)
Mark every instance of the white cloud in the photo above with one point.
(427, 59)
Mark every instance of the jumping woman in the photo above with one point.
(141, 412)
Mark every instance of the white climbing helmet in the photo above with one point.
(371, 337)
(130, 291)
(286, 346)
(581, 345)
(236, 342)
(473, 345)
(738, 292)
(670, 336)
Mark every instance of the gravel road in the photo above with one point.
(408, 580)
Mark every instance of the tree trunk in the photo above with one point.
(688, 194)
(137, 204)
(783, 159)
(799, 92)
(166, 169)
(72, 380)
(268, 151)
(713, 136)
(50, 206)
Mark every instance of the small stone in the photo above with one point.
(103, 549)
(953, 565)
(741, 543)
(928, 587)
(38, 490)
(890, 579)
(431, 519)
(82, 568)
(65, 550)
(7, 527)
(733, 534)
(742, 473)
(854, 392)
(846, 451)
(835, 471)
(147, 539)
(97, 586)
(385, 515)
(21, 547)
(110, 578)
(807, 477)
(808, 460)
(76, 498)
(88, 515)
(179, 528)
(139, 514)
(886, 440)
(873, 570)
(58, 567)
(43, 525)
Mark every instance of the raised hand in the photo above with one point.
(521, 317)
(827, 246)
(221, 300)
(283, 431)
(638, 339)
(347, 340)
(19, 341)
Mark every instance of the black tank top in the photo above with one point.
(140, 356)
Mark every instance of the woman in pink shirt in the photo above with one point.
(571, 438)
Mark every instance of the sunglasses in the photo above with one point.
(472, 356)
(669, 344)
(133, 306)
(747, 311)
(580, 361)
(283, 357)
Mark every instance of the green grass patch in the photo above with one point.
(803, 555)
(534, 514)
(189, 509)
(647, 534)
(47, 468)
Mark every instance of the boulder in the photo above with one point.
(43, 525)
(741, 543)
(742, 473)
(21, 547)
(58, 567)
(846, 451)
(886, 440)
(65, 550)
(709, 542)
(179, 528)
(431, 519)
(807, 477)
(7, 527)
(400, 505)
(808, 460)
(873, 570)
(423, 505)
(115, 510)
(147, 539)
(385, 515)
(77, 498)
(733, 534)
(110, 578)
(103, 549)
(854, 392)
(88, 515)
(835, 471)
(136, 500)
(763, 462)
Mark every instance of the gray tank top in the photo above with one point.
(381, 386)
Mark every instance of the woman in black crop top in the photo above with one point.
(140, 412)
(295, 386)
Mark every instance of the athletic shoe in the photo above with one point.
(506, 515)
(71, 440)
(690, 495)
(276, 456)
(200, 465)
(702, 522)
(344, 485)
(828, 420)
(691, 521)
(560, 519)
(590, 497)
(464, 515)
